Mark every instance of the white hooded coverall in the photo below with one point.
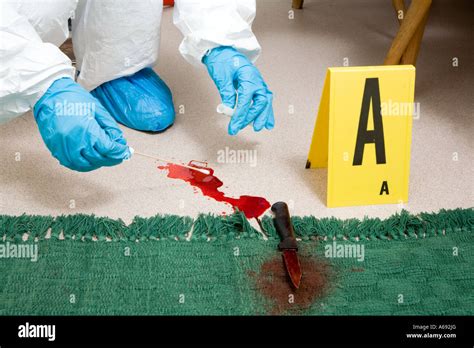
(111, 38)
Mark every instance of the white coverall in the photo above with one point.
(111, 38)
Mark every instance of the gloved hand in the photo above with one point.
(231, 71)
(77, 129)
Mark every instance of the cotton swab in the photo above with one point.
(201, 170)
(224, 109)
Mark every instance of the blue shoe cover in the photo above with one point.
(141, 101)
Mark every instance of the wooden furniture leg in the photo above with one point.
(297, 4)
(411, 53)
(414, 17)
(399, 6)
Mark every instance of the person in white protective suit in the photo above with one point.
(116, 43)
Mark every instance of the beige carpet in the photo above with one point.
(295, 56)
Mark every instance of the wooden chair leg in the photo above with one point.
(297, 4)
(399, 6)
(411, 53)
(414, 17)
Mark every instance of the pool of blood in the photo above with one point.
(209, 185)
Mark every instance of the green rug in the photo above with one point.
(409, 264)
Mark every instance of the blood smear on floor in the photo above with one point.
(209, 185)
(274, 284)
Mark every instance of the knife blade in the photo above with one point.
(287, 244)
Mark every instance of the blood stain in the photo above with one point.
(274, 284)
(209, 185)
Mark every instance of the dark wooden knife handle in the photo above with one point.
(283, 226)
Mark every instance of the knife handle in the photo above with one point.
(284, 227)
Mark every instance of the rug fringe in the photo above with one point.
(210, 227)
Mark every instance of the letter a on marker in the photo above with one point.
(364, 136)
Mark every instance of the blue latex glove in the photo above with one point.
(77, 129)
(231, 71)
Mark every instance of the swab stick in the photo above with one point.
(201, 170)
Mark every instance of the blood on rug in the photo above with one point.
(209, 185)
(272, 279)
(272, 283)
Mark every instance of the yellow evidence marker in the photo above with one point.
(363, 134)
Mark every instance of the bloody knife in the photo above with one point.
(287, 243)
